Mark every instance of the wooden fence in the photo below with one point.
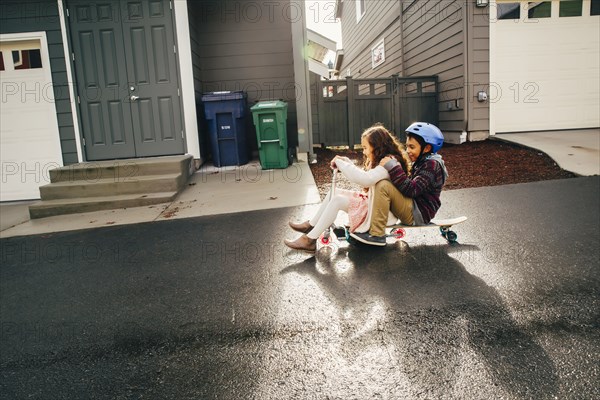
(344, 108)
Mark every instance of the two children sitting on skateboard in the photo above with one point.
(377, 143)
(413, 197)
(395, 191)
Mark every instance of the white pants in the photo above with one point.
(328, 211)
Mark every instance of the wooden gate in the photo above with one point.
(347, 107)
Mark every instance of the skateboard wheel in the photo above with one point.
(398, 233)
(451, 236)
(324, 240)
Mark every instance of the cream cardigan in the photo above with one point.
(366, 179)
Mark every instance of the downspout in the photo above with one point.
(467, 90)
(402, 68)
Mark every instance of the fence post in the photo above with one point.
(350, 106)
(320, 107)
(396, 106)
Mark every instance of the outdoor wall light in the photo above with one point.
(481, 3)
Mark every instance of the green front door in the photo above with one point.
(128, 91)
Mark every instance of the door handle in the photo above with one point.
(134, 97)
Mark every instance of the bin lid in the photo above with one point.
(224, 95)
(269, 105)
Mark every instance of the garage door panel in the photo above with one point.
(29, 135)
(547, 73)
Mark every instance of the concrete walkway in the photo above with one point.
(210, 191)
(577, 151)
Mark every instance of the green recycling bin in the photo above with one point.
(270, 118)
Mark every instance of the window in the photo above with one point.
(539, 9)
(360, 9)
(509, 10)
(570, 8)
(595, 10)
(27, 59)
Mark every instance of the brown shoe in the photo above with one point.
(303, 227)
(302, 243)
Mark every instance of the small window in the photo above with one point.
(27, 59)
(539, 9)
(360, 9)
(1, 62)
(595, 10)
(509, 10)
(571, 8)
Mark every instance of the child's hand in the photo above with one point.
(332, 164)
(384, 160)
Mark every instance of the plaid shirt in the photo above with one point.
(424, 185)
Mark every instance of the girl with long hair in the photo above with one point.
(377, 143)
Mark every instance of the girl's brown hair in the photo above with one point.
(384, 144)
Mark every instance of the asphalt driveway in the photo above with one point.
(216, 307)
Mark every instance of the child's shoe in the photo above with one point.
(303, 227)
(303, 243)
(366, 238)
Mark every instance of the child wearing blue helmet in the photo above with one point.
(413, 198)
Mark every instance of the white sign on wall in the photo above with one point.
(378, 54)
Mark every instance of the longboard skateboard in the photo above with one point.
(399, 231)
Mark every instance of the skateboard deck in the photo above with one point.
(399, 231)
(444, 225)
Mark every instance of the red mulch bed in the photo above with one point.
(472, 164)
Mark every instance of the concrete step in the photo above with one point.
(48, 208)
(108, 186)
(123, 169)
(105, 185)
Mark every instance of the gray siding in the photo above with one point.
(447, 38)
(194, 15)
(434, 45)
(381, 21)
(479, 68)
(39, 15)
(245, 45)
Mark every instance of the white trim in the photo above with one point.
(492, 97)
(186, 73)
(71, 81)
(302, 83)
(360, 11)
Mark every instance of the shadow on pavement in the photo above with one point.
(451, 334)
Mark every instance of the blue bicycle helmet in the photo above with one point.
(430, 134)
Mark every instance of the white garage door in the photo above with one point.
(544, 65)
(29, 138)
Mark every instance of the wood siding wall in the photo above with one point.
(380, 21)
(245, 45)
(434, 45)
(34, 16)
(447, 38)
(194, 16)
(479, 68)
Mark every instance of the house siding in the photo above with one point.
(434, 45)
(195, 15)
(246, 45)
(34, 16)
(479, 72)
(447, 38)
(383, 14)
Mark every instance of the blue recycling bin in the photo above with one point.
(224, 113)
